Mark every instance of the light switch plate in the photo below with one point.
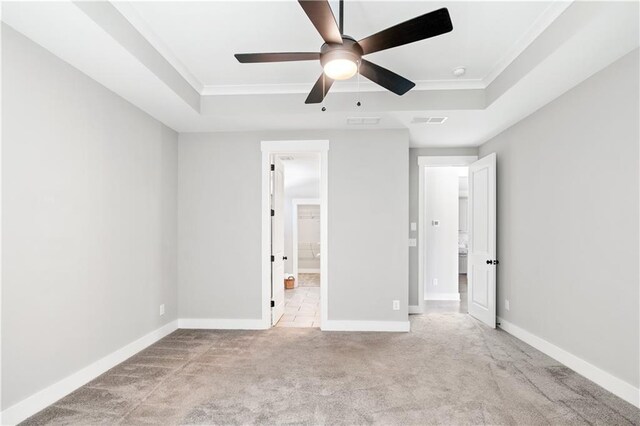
(413, 242)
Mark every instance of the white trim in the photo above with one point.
(611, 383)
(309, 271)
(446, 161)
(340, 325)
(129, 12)
(42, 399)
(543, 21)
(442, 296)
(338, 87)
(221, 324)
(294, 231)
(415, 309)
(289, 147)
(433, 161)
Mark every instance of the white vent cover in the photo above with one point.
(359, 121)
(429, 120)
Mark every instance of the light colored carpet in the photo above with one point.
(449, 369)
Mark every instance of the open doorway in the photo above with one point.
(457, 240)
(294, 234)
(446, 189)
(444, 233)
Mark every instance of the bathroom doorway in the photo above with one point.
(304, 298)
(294, 233)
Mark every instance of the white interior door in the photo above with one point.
(277, 241)
(481, 256)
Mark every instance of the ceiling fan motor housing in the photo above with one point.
(349, 49)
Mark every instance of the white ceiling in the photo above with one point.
(174, 60)
(203, 36)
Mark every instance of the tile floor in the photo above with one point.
(302, 304)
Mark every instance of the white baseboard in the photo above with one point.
(611, 383)
(414, 309)
(308, 271)
(339, 325)
(222, 324)
(42, 399)
(442, 296)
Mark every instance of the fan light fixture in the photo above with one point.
(340, 69)
(340, 62)
(341, 56)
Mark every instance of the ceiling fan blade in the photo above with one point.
(321, 16)
(385, 78)
(320, 90)
(247, 58)
(429, 25)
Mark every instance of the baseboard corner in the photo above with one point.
(415, 309)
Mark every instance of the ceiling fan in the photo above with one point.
(341, 56)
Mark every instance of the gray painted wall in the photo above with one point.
(220, 223)
(568, 220)
(414, 153)
(89, 186)
(442, 188)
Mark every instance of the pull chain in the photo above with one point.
(323, 93)
(358, 102)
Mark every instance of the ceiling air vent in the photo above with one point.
(359, 121)
(429, 120)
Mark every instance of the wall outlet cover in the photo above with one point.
(414, 227)
(506, 304)
(162, 309)
(435, 281)
(396, 305)
(413, 242)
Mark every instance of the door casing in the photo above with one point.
(270, 148)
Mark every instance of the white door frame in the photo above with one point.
(269, 148)
(296, 202)
(430, 161)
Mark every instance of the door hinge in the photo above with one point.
(273, 212)
(273, 258)
(273, 167)
(273, 303)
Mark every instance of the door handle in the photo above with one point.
(284, 257)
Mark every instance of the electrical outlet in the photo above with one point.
(506, 304)
(435, 282)
(414, 227)
(162, 309)
(396, 305)
(413, 242)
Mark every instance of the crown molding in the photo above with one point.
(549, 15)
(129, 12)
(340, 86)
